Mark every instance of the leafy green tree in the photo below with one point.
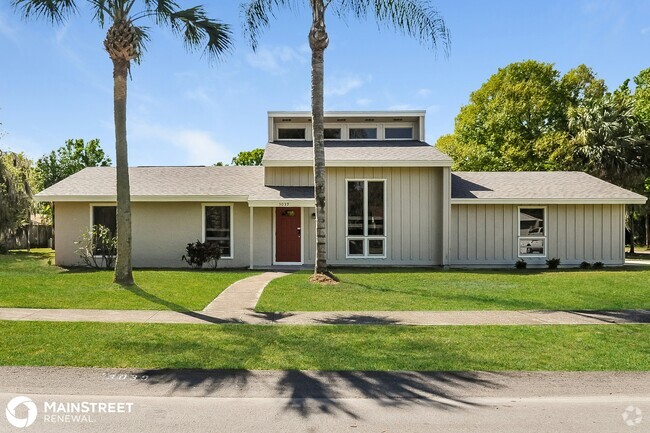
(17, 185)
(69, 159)
(251, 157)
(642, 110)
(125, 42)
(414, 18)
(517, 120)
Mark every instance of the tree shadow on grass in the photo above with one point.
(326, 392)
(623, 316)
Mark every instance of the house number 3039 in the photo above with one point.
(283, 204)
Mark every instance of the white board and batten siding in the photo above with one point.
(414, 208)
(486, 235)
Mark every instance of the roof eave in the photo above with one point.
(141, 198)
(359, 163)
(540, 201)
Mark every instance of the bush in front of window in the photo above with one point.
(585, 265)
(521, 264)
(199, 253)
(98, 247)
(553, 263)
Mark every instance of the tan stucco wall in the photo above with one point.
(413, 221)
(160, 233)
(487, 234)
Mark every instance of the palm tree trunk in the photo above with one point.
(318, 41)
(647, 228)
(123, 268)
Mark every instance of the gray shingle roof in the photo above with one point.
(540, 187)
(346, 152)
(180, 183)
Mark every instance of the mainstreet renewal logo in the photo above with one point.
(632, 416)
(59, 412)
(18, 421)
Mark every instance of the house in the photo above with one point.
(392, 200)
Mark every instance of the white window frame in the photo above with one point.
(289, 125)
(543, 238)
(399, 125)
(232, 226)
(366, 237)
(92, 217)
(350, 126)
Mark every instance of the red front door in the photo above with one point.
(287, 235)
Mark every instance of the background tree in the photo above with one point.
(125, 43)
(417, 19)
(69, 159)
(642, 110)
(250, 157)
(518, 119)
(17, 184)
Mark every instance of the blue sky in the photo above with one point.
(56, 81)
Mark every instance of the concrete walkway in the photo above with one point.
(430, 318)
(237, 303)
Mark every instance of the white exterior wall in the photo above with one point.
(486, 235)
(414, 220)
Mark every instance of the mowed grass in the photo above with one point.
(26, 280)
(341, 347)
(437, 289)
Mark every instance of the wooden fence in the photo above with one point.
(39, 236)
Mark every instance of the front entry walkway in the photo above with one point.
(237, 303)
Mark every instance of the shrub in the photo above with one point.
(599, 265)
(521, 264)
(199, 253)
(585, 265)
(3, 249)
(553, 263)
(98, 247)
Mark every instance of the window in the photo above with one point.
(105, 216)
(532, 232)
(332, 133)
(218, 228)
(363, 133)
(366, 218)
(405, 133)
(291, 133)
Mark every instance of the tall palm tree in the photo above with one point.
(125, 43)
(417, 19)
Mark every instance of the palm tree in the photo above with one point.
(412, 17)
(125, 42)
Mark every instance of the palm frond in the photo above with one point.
(417, 19)
(197, 29)
(257, 15)
(54, 10)
(161, 9)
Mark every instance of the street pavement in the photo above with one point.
(310, 401)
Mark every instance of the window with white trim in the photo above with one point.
(291, 133)
(531, 238)
(366, 219)
(398, 133)
(218, 228)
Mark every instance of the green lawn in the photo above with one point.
(341, 347)
(26, 280)
(418, 289)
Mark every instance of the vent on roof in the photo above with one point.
(286, 120)
(399, 119)
(369, 120)
(341, 120)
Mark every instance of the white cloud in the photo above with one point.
(424, 92)
(198, 145)
(342, 85)
(198, 94)
(275, 60)
(364, 102)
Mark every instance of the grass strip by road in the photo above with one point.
(390, 289)
(348, 347)
(27, 281)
